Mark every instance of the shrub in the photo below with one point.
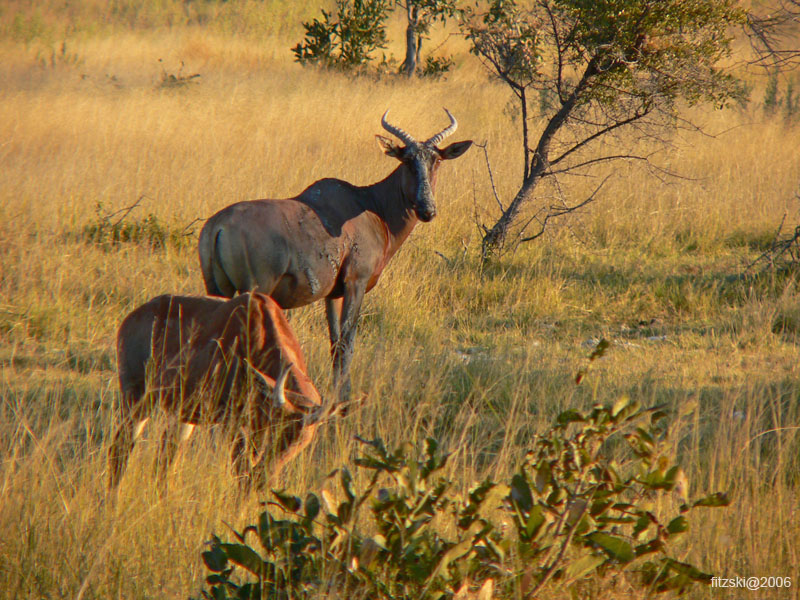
(149, 231)
(349, 41)
(578, 509)
(435, 66)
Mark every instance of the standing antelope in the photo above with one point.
(194, 357)
(332, 241)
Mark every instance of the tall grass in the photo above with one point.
(480, 358)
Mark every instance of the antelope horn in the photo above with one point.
(279, 392)
(449, 130)
(275, 388)
(396, 131)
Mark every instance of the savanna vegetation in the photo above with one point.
(124, 124)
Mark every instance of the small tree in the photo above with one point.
(350, 40)
(596, 67)
(420, 15)
(360, 28)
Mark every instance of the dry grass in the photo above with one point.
(482, 362)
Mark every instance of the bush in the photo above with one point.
(578, 510)
(348, 42)
(149, 231)
(435, 67)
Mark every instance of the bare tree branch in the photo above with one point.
(484, 147)
(769, 33)
(592, 161)
(558, 211)
(596, 135)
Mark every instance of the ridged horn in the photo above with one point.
(279, 392)
(275, 388)
(397, 132)
(444, 132)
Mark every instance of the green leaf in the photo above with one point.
(648, 548)
(688, 570)
(678, 525)
(312, 507)
(535, 521)
(249, 591)
(582, 566)
(599, 507)
(616, 520)
(370, 462)
(615, 547)
(672, 476)
(454, 553)
(344, 511)
(570, 416)
(600, 349)
(347, 484)
(718, 499)
(219, 593)
(643, 524)
(521, 493)
(619, 405)
(543, 477)
(215, 559)
(287, 501)
(244, 556)
(435, 460)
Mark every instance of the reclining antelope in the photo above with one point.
(211, 360)
(332, 241)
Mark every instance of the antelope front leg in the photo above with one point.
(120, 449)
(118, 453)
(333, 314)
(343, 354)
(171, 439)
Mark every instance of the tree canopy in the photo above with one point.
(596, 66)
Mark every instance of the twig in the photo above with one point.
(127, 210)
(556, 211)
(185, 232)
(484, 147)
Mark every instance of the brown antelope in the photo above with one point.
(332, 241)
(195, 356)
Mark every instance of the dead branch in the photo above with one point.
(560, 211)
(769, 33)
(484, 147)
(783, 252)
(186, 232)
(126, 211)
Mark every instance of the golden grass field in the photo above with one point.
(482, 361)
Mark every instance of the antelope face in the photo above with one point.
(422, 160)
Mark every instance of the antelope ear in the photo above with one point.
(389, 147)
(455, 150)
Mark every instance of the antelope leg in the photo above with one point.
(343, 352)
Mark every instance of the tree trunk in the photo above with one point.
(495, 237)
(410, 63)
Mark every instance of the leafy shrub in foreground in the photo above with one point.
(569, 513)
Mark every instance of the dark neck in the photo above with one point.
(392, 199)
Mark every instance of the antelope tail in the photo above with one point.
(207, 249)
(216, 280)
